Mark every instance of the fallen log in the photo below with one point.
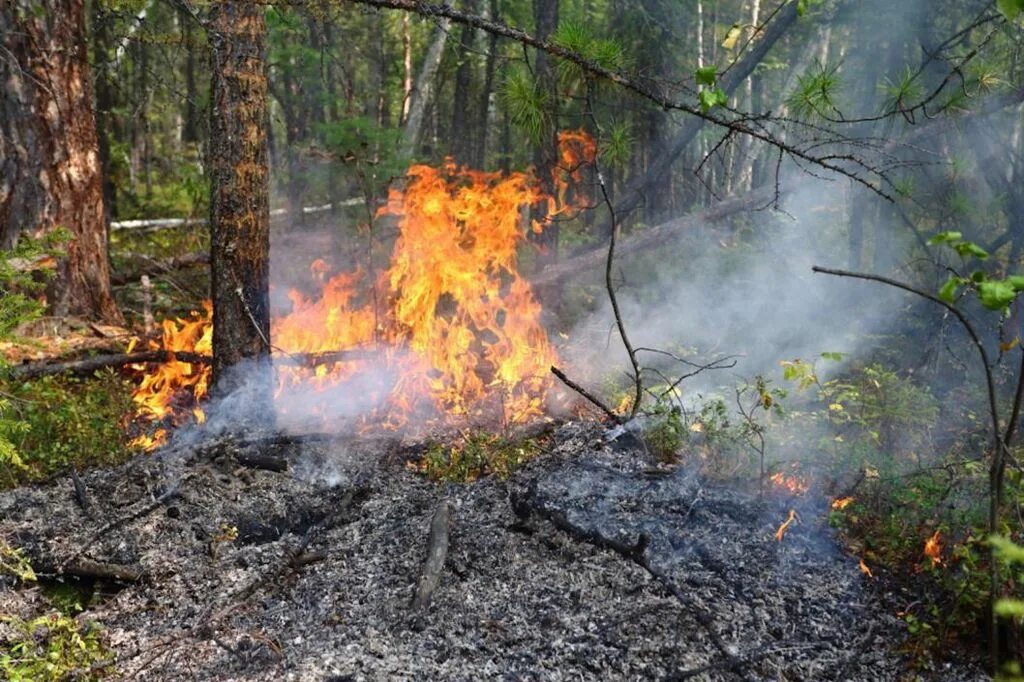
(437, 552)
(86, 366)
(144, 265)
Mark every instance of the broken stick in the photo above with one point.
(586, 394)
(437, 552)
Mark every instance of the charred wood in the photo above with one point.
(437, 552)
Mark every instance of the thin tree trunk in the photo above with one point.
(423, 93)
(50, 172)
(460, 137)
(486, 106)
(406, 66)
(239, 198)
(545, 153)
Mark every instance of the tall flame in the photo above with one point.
(450, 317)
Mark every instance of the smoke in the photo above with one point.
(746, 292)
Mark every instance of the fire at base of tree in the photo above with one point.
(388, 339)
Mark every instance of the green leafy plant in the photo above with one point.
(477, 455)
(53, 647)
(53, 422)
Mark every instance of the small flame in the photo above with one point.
(781, 532)
(933, 548)
(797, 485)
(842, 502)
(865, 570)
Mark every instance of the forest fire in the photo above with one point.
(841, 503)
(455, 326)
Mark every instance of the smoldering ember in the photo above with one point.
(511, 339)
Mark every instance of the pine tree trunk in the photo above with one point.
(461, 139)
(50, 173)
(545, 153)
(239, 198)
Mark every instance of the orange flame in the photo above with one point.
(451, 317)
(171, 391)
(781, 532)
(865, 570)
(797, 485)
(933, 548)
(841, 503)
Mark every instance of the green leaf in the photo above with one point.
(979, 276)
(712, 98)
(1016, 281)
(996, 295)
(966, 249)
(706, 75)
(835, 357)
(1011, 9)
(948, 291)
(944, 237)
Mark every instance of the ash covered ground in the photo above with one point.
(588, 563)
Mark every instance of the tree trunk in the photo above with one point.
(485, 110)
(461, 139)
(50, 174)
(545, 153)
(424, 90)
(239, 194)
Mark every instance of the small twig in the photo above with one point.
(586, 394)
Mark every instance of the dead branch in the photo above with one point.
(437, 552)
(87, 366)
(170, 494)
(586, 394)
(140, 265)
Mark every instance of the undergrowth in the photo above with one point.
(476, 455)
(51, 423)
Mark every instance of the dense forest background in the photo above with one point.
(725, 147)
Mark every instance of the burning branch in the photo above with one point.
(781, 532)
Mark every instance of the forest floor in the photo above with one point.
(590, 562)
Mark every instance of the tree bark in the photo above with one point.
(424, 90)
(545, 153)
(460, 135)
(240, 193)
(50, 173)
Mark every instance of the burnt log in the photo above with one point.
(437, 553)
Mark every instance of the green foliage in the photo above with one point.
(1011, 9)
(526, 103)
(710, 94)
(53, 422)
(803, 5)
(664, 431)
(816, 95)
(616, 144)
(19, 284)
(902, 92)
(579, 38)
(53, 647)
(994, 293)
(478, 454)
(14, 562)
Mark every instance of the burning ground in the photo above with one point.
(302, 559)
